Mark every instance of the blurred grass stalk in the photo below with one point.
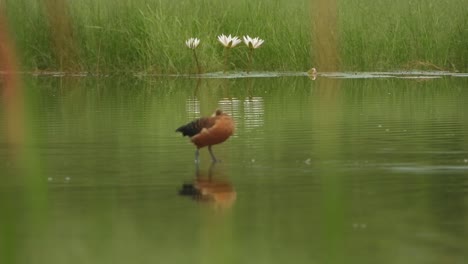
(324, 15)
(325, 32)
(127, 36)
(14, 134)
(61, 33)
(23, 193)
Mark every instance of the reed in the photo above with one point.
(377, 35)
(129, 36)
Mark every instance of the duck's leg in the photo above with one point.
(197, 154)
(213, 158)
(197, 170)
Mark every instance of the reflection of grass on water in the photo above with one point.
(149, 35)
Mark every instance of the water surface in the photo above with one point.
(355, 170)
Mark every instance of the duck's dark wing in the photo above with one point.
(194, 127)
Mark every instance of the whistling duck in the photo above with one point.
(208, 131)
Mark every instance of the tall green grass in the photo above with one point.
(142, 35)
(418, 33)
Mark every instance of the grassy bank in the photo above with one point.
(141, 35)
(404, 34)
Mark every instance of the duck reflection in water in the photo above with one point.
(207, 188)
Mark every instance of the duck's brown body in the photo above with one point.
(209, 131)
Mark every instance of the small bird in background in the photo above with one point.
(312, 74)
(208, 131)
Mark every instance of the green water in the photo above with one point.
(325, 171)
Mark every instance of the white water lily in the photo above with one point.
(253, 43)
(229, 41)
(192, 43)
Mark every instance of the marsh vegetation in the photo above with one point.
(148, 36)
